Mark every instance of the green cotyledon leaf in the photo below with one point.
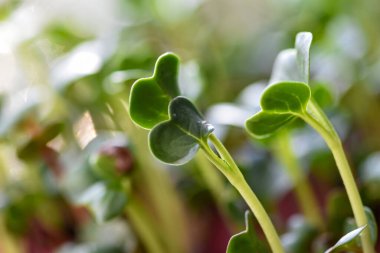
(176, 140)
(150, 97)
(280, 103)
(247, 241)
(286, 97)
(288, 92)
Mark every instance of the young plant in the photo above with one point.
(288, 97)
(279, 144)
(178, 131)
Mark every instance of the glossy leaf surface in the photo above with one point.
(150, 97)
(246, 241)
(176, 141)
(346, 240)
(280, 103)
(286, 97)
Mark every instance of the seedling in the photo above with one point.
(225, 114)
(178, 131)
(288, 97)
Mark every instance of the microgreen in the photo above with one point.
(176, 126)
(280, 103)
(178, 130)
(288, 96)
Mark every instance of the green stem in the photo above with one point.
(318, 120)
(228, 167)
(303, 191)
(144, 227)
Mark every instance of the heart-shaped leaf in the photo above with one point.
(247, 241)
(104, 201)
(288, 94)
(345, 240)
(150, 97)
(280, 103)
(177, 140)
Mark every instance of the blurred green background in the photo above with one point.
(66, 68)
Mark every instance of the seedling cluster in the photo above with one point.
(177, 131)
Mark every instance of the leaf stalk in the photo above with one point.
(316, 118)
(226, 164)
